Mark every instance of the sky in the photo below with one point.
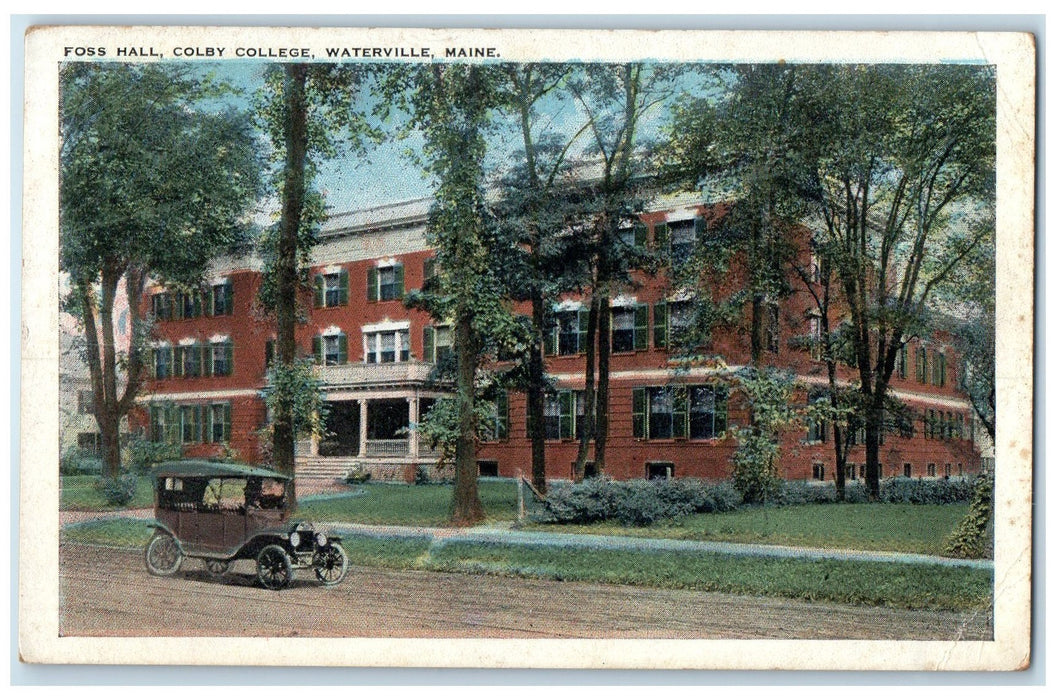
(385, 174)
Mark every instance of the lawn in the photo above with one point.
(867, 583)
(424, 505)
(79, 493)
(867, 526)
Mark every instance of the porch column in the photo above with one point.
(362, 427)
(313, 445)
(412, 434)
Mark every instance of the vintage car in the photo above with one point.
(220, 512)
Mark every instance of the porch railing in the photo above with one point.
(387, 448)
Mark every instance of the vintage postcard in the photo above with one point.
(533, 349)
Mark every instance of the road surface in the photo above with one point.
(108, 592)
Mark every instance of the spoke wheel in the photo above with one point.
(331, 564)
(274, 568)
(217, 567)
(163, 555)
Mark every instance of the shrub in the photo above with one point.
(358, 474)
(926, 492)
(638, 502)
(76, 460)
(119, 491)
(142, 455)
(973, 537)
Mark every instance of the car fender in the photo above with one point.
(160, 526)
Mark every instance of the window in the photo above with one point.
(162, 362)
(630, 328)
(90, 442)
(331, 289)
(563, 413)
(387, 346)
(85, 401)
(683, 242)
(907, 470)
(487, 467)
(330, 349)
(818, 471)
(220, 422)
(659, 470)
(190, 424)
(161, 306)
(497, 425)
(269, 353)
(672, 322)
(816, 348)
(852, 471)
(931, 469)
(697, 412)
(222, 302)
(902, 362)
(190, 304)
(947, 470)
(190, 360)
(922, 365)
(570, 332)
(219, 359)
(429, 277)
(633, 236)
(385, 283)
(817, 429)
(437, 343)
(938, 370)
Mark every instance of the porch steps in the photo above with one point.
(335, 468)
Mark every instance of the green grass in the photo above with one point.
(911, 586)
(111, 532)
(867, 526)
(79, 493)
(398, 504)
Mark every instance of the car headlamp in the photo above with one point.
(295, 539)
(320, 539)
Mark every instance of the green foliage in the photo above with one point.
(769, 395)
(635, 503)
(119, 491)
(75, 461)
(973, 537)
(142, 455)
(296, 389)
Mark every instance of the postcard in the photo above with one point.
(527, 348)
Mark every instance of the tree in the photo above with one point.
(904, 175)
(451, 105)
(308, 111)
(153, 185)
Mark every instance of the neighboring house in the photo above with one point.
(375, 358)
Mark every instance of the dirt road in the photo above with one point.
(107, 592)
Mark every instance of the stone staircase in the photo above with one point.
(335, 468)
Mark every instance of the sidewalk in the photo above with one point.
(504, 534)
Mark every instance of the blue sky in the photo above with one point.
(384, 174)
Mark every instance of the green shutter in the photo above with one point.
(428, 270)
(229, 352)
(172, 424)
(177, 361)
(229, 299)
(550, 340)
(721, 410)
(207, 300)
(342, 349)
(641, 235)
(372, 284)
(639, 411)
(227, 422)
(320, 299)
(641, 326)
(269, 353)
(567, 402)
(343, 280)
(399, 281)
(583, 320)
(428, 344)
(502, 417)
(155, 423)
(700, 225)
(662, 237)
(207, 359)
(317, 349)
(660, 324)
(680, 416)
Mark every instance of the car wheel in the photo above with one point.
(274, 568)
(217, 567)
(163, 555)
(331, 564)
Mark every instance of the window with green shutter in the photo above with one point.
(372, 284)
(630, 328)
(220, 422)
(641, 326)
(429, 344)
(497, 427)
(660, 324)
(662, 238)
(639, 412)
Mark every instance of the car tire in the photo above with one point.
(331, 564)
(274, 569)
(163, 555)
(216, 567)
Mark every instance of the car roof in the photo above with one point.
(212, 470)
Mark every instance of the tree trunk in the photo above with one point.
(296, 138)
(872, 452)
(536, 398)
(466, 508)
(587, 433)
(601, 411)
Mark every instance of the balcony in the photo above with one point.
(387, 374)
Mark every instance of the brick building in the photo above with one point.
(375, 358)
